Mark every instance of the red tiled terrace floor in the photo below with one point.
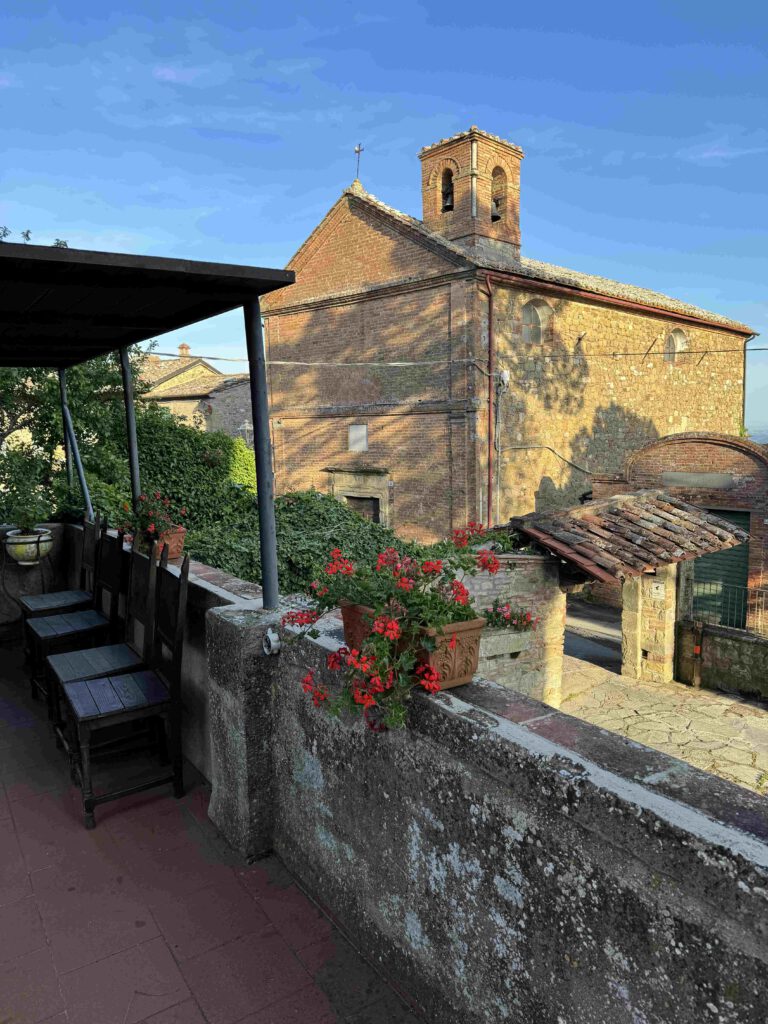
(150, 917)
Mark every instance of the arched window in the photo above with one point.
(447, 190)
(676, 342)
(537, 317)
(498, 195)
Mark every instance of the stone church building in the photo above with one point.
(429, 373)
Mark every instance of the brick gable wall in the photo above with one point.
(354, 249)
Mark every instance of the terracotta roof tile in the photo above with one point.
(629, 534)
(537, 270)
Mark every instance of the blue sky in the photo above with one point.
(225, 131)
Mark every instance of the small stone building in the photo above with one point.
(431, 373)
(637, 540)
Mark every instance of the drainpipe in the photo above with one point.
(491, 374)
(744, 384)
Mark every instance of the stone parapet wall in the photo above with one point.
(498, 860)
(730, 659)
(530, 582)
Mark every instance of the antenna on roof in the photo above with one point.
(358, 151)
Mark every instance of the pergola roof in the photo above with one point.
(629, 534)
(59, 307)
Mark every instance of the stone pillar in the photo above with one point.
(242, 681)
(685, 590)
(648, 626)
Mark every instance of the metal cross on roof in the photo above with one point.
(358, 151)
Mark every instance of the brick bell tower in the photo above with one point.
(470, 189)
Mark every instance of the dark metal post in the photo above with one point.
(130, 423)
(67, 448)
(78, 462)
(265, 480)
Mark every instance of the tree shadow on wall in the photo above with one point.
(602, 449)
(551, 372)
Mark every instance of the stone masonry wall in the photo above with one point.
(501, 862)
(571, 394)
(230, 408)
(730, 660)
(530, 582)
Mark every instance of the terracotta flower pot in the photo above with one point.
(175, 540)
(456, 664)
(357, 623)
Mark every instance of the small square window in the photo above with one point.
(358, 437)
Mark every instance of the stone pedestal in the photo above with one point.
(242, 681)
(648, 626)
(531, 582)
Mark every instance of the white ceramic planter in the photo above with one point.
(28, 548)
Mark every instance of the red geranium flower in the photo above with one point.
(386, 627)
(429, 678)
(488, 562)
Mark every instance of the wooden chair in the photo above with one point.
(108, 659)
(70, 631)
(61, 601)
(155, 692)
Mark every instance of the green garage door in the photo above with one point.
(720, 580)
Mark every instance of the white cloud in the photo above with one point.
(179, 76)
(732, 143)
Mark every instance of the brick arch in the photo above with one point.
(492, 162)
(740, 444)
(435, 179)
(446, 164)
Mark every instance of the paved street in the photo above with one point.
(721, 734)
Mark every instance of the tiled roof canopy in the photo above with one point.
(629, 534)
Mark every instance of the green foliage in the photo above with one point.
(242, 467)
(309, 524)
(24, 499)
(209, 474)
